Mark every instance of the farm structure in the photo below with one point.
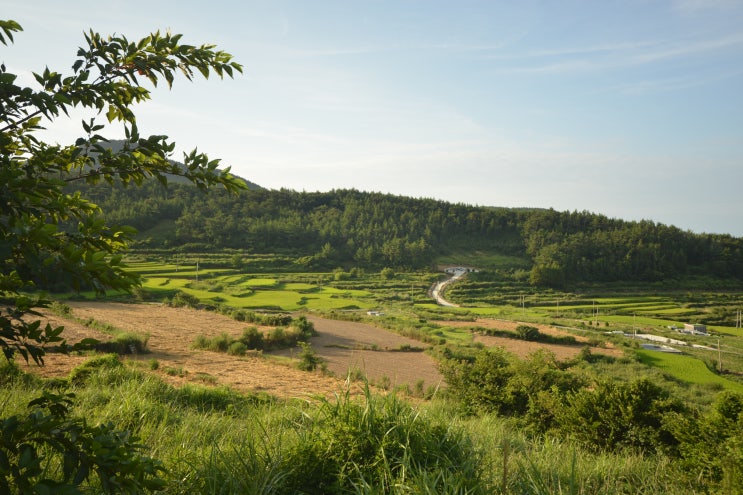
(694, 329)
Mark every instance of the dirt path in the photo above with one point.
(172, 330)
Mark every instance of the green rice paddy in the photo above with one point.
(687, 369)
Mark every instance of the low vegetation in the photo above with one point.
(298, 332)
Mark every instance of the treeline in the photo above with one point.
(349, 227)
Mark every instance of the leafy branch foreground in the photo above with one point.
(49, 236)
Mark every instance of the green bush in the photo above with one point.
(527, 332)
(387, 273)
(252, 338)
(220, 343)
(612, 415)
(276, 338)
(183, 299)
(237, 348)
(308, 358)
(200, 342)
(496, 382)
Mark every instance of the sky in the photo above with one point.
(631, 108)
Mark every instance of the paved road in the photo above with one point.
(439, 287)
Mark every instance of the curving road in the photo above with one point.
(438, 287)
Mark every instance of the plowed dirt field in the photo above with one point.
(343, 345)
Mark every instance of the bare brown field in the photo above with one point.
(172, 330)
(523, 348)
(375, 352)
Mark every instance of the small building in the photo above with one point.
(695, 328)
(460, 269)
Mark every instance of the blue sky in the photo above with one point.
(632, 108)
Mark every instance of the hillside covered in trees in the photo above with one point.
(324, 230)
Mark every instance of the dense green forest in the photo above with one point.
(351, 228)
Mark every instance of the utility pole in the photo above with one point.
(634, 328)
(523, 305)
(595, 313)
(719, 354)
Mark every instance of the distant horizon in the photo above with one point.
(630, 110)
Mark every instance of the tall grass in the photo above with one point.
(217, 441)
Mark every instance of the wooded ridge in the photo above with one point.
(324, 230)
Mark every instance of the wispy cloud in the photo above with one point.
(694, 6)
(672, 84)
(686, 49)
(616, 56)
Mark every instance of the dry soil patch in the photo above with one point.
(172, 330)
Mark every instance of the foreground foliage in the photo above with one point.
(604, 413)
(213, 440)
(50, 236)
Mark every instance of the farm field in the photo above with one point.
(523, 348)
(343, 345)
(688, 369)
(404, 298)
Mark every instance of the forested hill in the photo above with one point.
(353, 228)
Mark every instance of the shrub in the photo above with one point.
(237, 348)
(252, 338)
(182, 299)
(613, 415)
(220, 343)
(527, 332)
(276, 338)
(304, 326)
(60, 309)
(200, 342)
(308, 358)
(131, 343)
(387, 273)
(493, 382)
